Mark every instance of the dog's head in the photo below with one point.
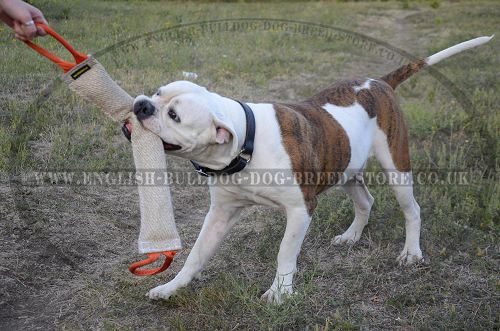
(190, 122)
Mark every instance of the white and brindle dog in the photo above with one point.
(334, 131)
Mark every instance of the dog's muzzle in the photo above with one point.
(143, 109)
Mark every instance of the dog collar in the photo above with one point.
(245, 155)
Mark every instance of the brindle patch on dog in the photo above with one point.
(317, 144)
(404, 72)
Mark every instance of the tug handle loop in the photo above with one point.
(134, 267)
(65, 65)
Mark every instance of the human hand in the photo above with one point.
(21, 17)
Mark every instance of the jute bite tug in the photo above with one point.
(87, 77)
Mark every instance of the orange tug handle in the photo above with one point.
(65, 65)
(134, 267)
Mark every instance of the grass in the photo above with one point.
(66, 248)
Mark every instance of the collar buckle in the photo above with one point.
(201, 172)
(245, 156)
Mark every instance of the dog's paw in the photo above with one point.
(409, 257)
(277, 296)
(162, 292)
(347, 238)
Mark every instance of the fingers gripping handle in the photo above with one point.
(65, 65)
(134, 267)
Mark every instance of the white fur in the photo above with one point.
(433, 59)
(363, 202)
(359, 128)
(404, 194)
(365, 86)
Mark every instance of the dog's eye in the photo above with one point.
(173, 115)
(158, 93)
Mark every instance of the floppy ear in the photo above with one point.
(222, 136)
(225, 133)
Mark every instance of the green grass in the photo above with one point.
(67, 248)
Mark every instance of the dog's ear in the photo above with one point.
(223, 136)
(224, 132)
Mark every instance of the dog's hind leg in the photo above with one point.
(363, 202)
(219, 220)
(298, 221)
(401, 182)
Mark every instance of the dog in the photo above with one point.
(333, 132)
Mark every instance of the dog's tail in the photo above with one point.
(403, 73)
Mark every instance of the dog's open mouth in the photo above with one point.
(170, 147)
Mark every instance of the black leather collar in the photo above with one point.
(245, 155)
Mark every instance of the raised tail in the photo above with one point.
(403, 73)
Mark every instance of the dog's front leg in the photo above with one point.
(296, 227)
(219, 220)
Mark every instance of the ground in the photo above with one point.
(64, 249)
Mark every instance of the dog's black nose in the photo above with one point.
(143, 109)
